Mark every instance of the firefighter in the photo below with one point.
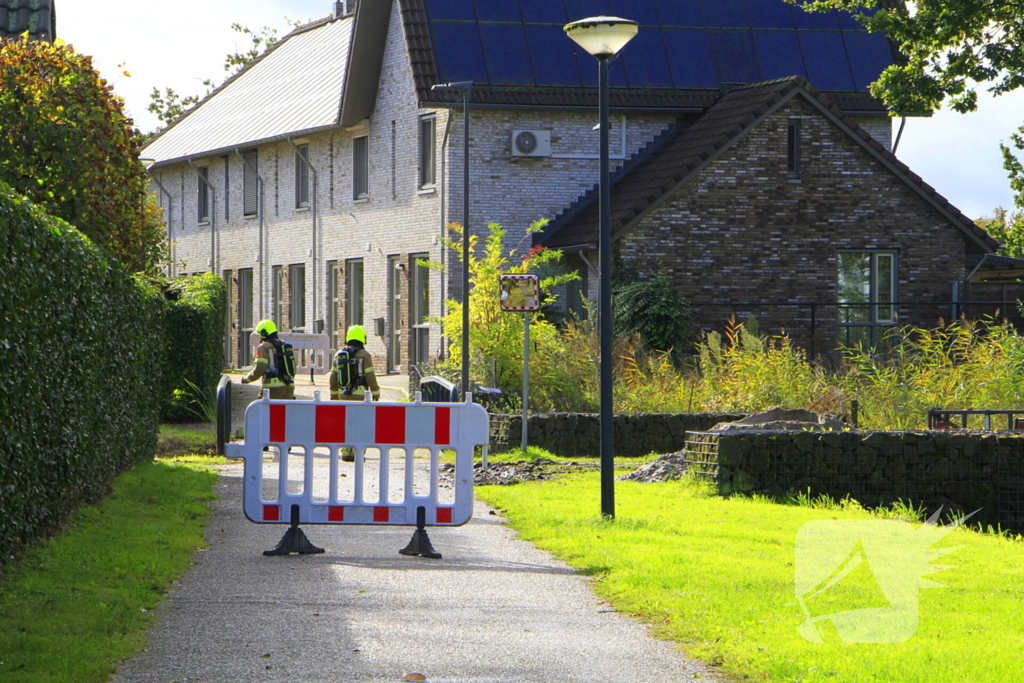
(363, 378)
(268, 367)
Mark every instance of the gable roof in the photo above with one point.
(38, 17)
(517, 54)
(293, 88)
(651, 177)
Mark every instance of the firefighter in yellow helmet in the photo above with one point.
(268, 366)
(352, 373)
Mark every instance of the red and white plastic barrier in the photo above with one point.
(318, 430)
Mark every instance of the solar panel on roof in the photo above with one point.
(869, 54)
(488, 10)
(825, 57)
(734, 56)
(770, 14)
(462, 58)
(822, 21)
(682, 44)
(645, 60)
(680, 13)
(544, 12)
(581, 9)
(554, 62)
(689, 54)
(779, 54)
(507, 55)
(643, 13)
(848, 22)
(725, 13)
(452, 10)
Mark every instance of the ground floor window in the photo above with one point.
(867, 294)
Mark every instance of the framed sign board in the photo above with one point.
(520, 292)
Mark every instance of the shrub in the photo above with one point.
(78, 336)
(655, 310)
(194, 312)
(68, 146)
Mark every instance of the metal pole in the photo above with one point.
(465, 243)
(605, 306)
(526, 373)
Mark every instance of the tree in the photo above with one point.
(1008, 229)
(950, 48)
(70, 149)
(168, 105)
(654, 309)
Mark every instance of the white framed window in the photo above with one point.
(428, 152)
(353, 292)
(867, 293)
(361, 167)
(297, 298)
(302, 177)
(250, 183)
(203, 194)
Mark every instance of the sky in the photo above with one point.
(179, 44)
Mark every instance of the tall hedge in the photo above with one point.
(78, 336)
(193, 343)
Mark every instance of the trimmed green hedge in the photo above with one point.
(194, 343)
(78, 339)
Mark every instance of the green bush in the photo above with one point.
(194, 313)
(78, 336)
(654, 309)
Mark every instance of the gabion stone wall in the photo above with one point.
(573, 435)
(960, 471)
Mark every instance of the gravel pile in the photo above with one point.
(666, 468)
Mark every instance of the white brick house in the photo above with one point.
(338, 238)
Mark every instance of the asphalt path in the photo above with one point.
(492, 609)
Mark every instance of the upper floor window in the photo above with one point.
(867, 296)
(250, 183)
(302, 177)
(428, 151)
(793, 149)
(203, 194)
(360, 167)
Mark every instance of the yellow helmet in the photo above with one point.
(356, 333)
(266, 328)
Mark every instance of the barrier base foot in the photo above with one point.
(294, 541)
(420, 545)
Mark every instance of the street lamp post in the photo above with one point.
(604, 37)
(465, 87)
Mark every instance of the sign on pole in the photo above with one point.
(522, 293)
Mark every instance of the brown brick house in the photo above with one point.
(775, 205)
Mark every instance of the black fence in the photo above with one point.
(820, 327)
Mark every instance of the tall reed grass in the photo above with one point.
(964, 365)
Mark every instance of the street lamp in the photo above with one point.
(465, 87)
(148, 164)
(603, 37)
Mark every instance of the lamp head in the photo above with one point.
(602, 37)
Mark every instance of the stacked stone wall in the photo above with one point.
(959, 471)
(636, 435)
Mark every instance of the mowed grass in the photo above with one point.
(717, 576)
(76, 605)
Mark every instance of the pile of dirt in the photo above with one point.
(666, 468)
(506, 473)
(778, 419)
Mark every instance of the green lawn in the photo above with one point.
(717, 576)
(76, 605)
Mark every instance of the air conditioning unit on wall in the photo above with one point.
(531, 143)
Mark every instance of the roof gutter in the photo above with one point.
(250, 143)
